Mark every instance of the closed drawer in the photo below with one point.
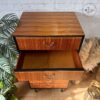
(54, 84)
(48, 43)
(36, 76)
(48, 76)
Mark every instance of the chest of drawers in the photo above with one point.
(49, 43)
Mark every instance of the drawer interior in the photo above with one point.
(48, 60)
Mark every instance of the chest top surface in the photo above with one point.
(48, 24)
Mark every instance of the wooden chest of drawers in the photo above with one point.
(49, 43)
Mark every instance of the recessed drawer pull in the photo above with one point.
(51, 44)
(48, 76)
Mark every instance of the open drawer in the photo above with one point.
(49, 67)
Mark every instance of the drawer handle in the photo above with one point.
(51, 44)
(49, 76)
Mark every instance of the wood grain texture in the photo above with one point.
(77, 59)
(49, 79)
(49, 43)
(42, 76)
(48, 24)
(54, 84)
(49, 59)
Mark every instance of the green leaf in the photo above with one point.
(14, 97)
(8, 24)
(1, 84)
(4, 65)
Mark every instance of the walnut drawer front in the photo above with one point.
(49, 79)
(61, 84)
(48, 76)
(48, 43)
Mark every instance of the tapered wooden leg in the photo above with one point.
(64, 89)
(36, 90)
(31, 85)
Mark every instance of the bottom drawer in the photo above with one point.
(50, 76)
(62, 84)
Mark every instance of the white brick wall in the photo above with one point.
(18, 6)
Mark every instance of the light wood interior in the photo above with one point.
(48, 59)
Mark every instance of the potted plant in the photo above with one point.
(8, 57)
